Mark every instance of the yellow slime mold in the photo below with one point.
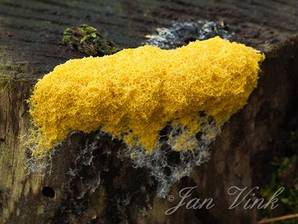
(134, 93)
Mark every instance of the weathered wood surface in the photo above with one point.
(30, 46)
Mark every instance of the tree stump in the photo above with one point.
(80, 186)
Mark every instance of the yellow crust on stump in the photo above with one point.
(134, 93)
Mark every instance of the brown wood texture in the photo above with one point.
(30, 46)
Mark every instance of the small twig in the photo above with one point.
(281, 218)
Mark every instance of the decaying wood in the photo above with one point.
(30, 46)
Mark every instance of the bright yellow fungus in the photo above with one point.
(134, 93)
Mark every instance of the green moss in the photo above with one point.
(88, 40)
(284, 175)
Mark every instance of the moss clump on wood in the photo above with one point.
(88, 40)
(284, 175)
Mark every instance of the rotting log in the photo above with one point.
(111, 190)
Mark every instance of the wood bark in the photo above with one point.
(30, 46)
